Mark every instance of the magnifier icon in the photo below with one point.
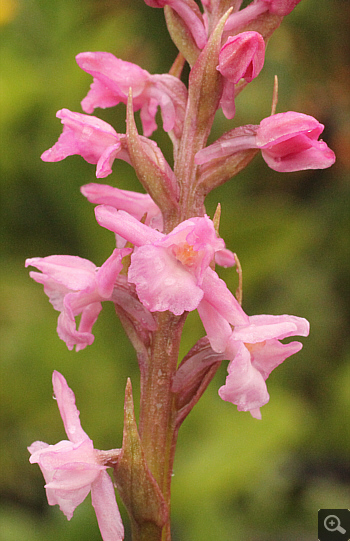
(332, 524)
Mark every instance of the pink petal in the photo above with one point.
(136, 204)
(107, 274)
(105, 162)
(216, 326)
(218, 295)
(106, 508)
(302, 325)
(277, 128)
(319, 156)
(55, 291)
(271, 354)
(242, 56)
(85, 135)
(225, 258)
(244, 385)
(258, 333)
(126, 226)
(68, 410)
(71, 271)
(162, 282)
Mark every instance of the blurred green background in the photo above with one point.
(236, 479)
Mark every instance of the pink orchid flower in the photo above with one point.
(71, 468)
(113, 78)
(172, 272)
(254, 350)
(88, 136)
(242, 57)
(245, 16)
(189, 13)
(288, 142)
(139, 205)
(76, 286)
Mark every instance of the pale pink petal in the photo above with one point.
(302, 325)
(71, 271)
(136, 204)
(55, 291)
(162, 282)
(244, 385)
(216, 326)
(106, 508)
(107, 274)
(258, 333)
(66, 328)
(126, 226)
(68, 410)
(225, 258)
(271, 354)
(218, 295)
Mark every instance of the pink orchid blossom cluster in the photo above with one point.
(167, 249)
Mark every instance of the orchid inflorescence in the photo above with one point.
(163, 266)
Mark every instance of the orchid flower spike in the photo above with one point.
(76, 286)
(113, 78)
(71, 469)
(242, 57)
(93, 139)
(288, 142)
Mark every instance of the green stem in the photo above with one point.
(157, 410)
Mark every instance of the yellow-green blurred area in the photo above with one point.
(235, 478)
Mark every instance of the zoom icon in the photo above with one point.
(333, 525)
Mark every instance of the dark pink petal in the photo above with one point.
(282, 126)
(318, 156)
(281, 7)
(115, 74)
(113, 78)
(85, 135)
(106, 508)
(105, 161)
(242, 57)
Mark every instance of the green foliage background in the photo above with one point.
(236, 479)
